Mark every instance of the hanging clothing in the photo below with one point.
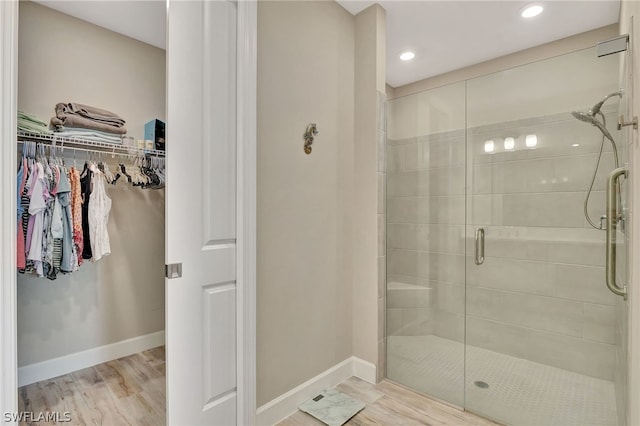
(85, 188)
(63, 215)
(25, 201)
(57, 227)
(37, 207)
(99, 208)
(76, 213)
(47, 236)
(21, 173)
(20, 234)
(69, 260)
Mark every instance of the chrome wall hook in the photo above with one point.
(308, 137)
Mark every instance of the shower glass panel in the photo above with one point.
(496, 292)
(541, 336)
(425, 242)
(623, 239)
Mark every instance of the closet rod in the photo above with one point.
(86, 145)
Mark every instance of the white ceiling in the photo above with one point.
(445, 35)
(143, 20)
(448, 35)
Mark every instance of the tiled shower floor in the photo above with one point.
(520, 392)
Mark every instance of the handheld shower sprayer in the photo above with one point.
(587, 117)
(590, 117)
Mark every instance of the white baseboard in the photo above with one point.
(66, 364)
(286, 404)
(364, 370)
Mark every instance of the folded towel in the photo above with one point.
(30, 117)
(28, 128)
(89, 112)
(32, 124)
(80, 129)
(90, 136)
(78, 121)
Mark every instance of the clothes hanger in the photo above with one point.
(107, 172)
(135, 172)
(124, 172)
(84, 169)
(25, 146)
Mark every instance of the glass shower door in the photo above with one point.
(540, 322)
(425, 242)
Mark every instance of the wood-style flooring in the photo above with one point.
(392, 405)
(131, 391)
(126, 391)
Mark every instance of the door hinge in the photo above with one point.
(173, 270)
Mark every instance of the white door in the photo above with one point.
(205, 327)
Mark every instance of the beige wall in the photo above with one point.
(369, 228)
(122, 296)
(64, 59)
(304, 272)
(630, 23)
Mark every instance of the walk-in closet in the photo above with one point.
(106, 315)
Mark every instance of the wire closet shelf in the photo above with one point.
(60, 142)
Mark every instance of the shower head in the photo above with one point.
(587, 117)
(590, 116)
(596, 108)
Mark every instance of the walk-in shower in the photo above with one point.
(530, 335)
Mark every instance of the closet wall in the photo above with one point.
(63, 59)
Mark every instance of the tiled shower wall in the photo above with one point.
(540, 294)
(425, 234)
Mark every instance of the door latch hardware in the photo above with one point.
(479, 246)
(173, 270)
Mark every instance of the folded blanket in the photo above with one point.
(30, 117)
(89, 112)
(29, 128)
(59, 129)
(73, 120)
(90, 136)
(31, 123)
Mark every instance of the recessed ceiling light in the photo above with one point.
(531, 11)
(575, 144)
(407, 56)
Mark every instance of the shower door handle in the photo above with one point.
(612, 221)
(479, 246)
